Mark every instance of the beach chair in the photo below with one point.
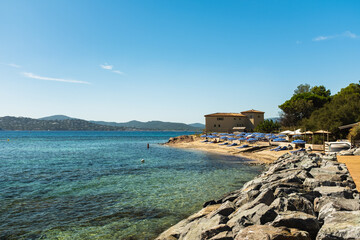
(233, 144)
(300, 150)
(275, 149)
(244, 146)
(225, 143)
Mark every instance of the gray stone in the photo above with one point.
(335, 191)
(357, 152)
(341, 225)
(293, 203)
(259, 214)
(340, 204)
(266, 232)
(299, 220)
(225, 209)
(194, 230)
(214, 231)
(223, 236)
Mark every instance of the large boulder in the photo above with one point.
(341, 225)
(261, 232)
(259, 214)
(293, 203)
(340, 204)
(334, 191)
(299, 220)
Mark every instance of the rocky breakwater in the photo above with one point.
(182, 139)
(302, 197)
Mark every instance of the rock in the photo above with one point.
(336, 191)
(246, 197)
(340, 204)
(203, 212)
(299, 220)
(223, 236)
(261, 232)
(357, 152)
(174, 231)
(214, 231)
(225, 209)
(259, 214)
(293, 203)
(195, 229)
(346, 152)
(340, 225)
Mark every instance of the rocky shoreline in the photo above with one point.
(301, 196)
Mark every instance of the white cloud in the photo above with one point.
(110, 67)
(33, 76)
(346, 34)
(106, 66)
(118, 72)
(14, 65)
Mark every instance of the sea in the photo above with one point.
(93, 185)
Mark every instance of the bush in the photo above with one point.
(354, 133)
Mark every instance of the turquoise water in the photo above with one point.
(92, 185)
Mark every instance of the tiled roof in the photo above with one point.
(225, 115)
(252, 111)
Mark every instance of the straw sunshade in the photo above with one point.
(323, 131)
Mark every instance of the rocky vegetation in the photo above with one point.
(302, 197)
(183, 138)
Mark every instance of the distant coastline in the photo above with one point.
(64, 123)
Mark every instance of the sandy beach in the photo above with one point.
(259, 152)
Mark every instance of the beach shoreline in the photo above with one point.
(259, 153)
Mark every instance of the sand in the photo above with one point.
(353, 164)
(261, 156)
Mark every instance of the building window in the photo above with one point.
(258, 116)
(214, 125)
(220, 119)
(251, 116)
(219, 125)
(234, 118)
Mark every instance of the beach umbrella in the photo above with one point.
(223, 137)
(242, 139)
(279, 140)
(282, 135)
(211, 136)
(297, 136)
(298, 141)
(232, 138)
(231, 134)
(203, 136)
(222, 134)
(214, 133)
(252, 140)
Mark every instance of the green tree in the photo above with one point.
(344, 108)
(303, 103)
(302, 88)
(267, 126)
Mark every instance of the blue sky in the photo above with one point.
(170, 60)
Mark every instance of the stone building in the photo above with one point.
(231, 122)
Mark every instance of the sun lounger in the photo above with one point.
(275, 149)
(244, 146)
(206, 140)
(225, 143)
(234, 144)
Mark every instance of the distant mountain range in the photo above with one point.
(65, 123)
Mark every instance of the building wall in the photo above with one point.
(255, 118)
(225, 124)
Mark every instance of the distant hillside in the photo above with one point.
(21, 123)
(197, 125)
(152, 125)
(56, 117)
